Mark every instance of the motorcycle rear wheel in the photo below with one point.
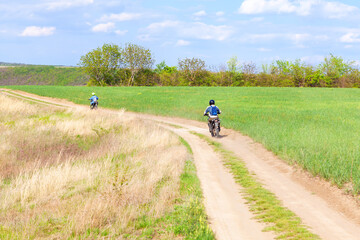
(216, 129)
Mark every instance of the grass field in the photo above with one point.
(74, 174)
(316, 128)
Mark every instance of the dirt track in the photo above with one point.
(329, 213)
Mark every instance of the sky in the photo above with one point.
(59, 32)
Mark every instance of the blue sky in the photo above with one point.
(59, 32)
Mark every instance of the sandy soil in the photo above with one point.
(326, 209)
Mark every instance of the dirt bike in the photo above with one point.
(94, 105)
(214, 125)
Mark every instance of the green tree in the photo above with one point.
(282, 67)
(233, 64)
(192, 69)
(136, 58)
(298, 72)
(160, 67)
(172, 69)
(266, 68)
(101, 64)
(334, 68)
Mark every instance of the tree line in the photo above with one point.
(133, 65)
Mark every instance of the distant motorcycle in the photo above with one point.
(94, 105)
(214, 125)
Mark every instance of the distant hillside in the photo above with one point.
(41, 75)
(11, 64)
(25, 64)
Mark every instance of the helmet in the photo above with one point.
(211, 102)
(93, 93)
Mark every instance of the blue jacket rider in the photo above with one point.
(93, 99)
(212, 110)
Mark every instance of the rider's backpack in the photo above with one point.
(213, 111)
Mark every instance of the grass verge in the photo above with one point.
(94, 175)
(262, 202)
(188, 218)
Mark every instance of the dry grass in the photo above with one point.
(82, 174)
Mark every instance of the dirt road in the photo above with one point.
(329, 213)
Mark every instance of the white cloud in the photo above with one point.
(296, 38)
(121, 17)
(251, 21)
(261, 6)
(260, 37)
(159, 26)
(145, 37)
(264, 50)
(103, 27)
(207, 32)
(300, 7)
(219, 14)
(34, 31)
(195, 30)
(321, 37)
(305, 7)
(167, 43)
(350, 38)
(338, 10)
(121, 32)
(313, 60)
(257, 19)
(201, 13)
(299, 37)
(181, 43)
(63, 4)
(198, 15)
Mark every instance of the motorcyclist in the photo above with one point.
(212, 112)
(94, 99)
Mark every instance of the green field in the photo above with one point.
(316, 128)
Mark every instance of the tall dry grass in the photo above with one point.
(78, 173)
